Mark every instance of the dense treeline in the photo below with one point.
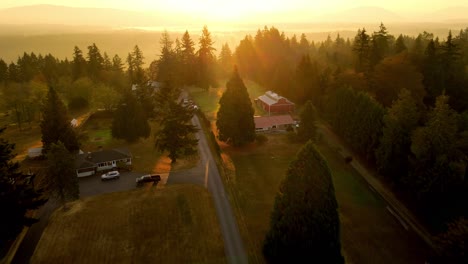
(400, 102)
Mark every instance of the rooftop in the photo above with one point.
(269, 121)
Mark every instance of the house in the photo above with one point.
(87, 164)
(273, 103)
(273, 123)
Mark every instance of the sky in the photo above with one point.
(238, 9)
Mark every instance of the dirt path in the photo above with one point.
(399, 210)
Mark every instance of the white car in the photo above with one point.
(110, 175)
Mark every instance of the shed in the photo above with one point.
(273, 123)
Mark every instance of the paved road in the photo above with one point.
(233, 246)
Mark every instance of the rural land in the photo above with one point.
(337, 137)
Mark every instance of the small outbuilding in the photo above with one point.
(273, 123)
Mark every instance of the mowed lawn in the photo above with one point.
(174, 224)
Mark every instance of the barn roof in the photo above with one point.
(269, 121)
(271, 98)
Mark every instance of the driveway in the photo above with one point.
(92, 185)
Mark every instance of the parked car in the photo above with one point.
(110, 175)
(148, 178)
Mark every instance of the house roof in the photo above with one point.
(271, 98)
(90, 159)
(269, 121)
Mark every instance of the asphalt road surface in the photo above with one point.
(233, 246)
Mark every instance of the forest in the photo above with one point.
(398, 101)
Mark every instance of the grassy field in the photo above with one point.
(174, 224)
(369, 233)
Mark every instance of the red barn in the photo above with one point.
(273, 103)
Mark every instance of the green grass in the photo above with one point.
(173, 224)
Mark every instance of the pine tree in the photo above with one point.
(130, 121)
(304, 223)
(17, 195)
(135, 66)
(61, 180)
(55, 124)
(308, 127)
(235, 115)
(226, 60)
(177, 132)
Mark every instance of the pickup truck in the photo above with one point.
(148, 178)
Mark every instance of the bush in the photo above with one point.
(261, 139)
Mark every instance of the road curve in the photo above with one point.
(233, 246)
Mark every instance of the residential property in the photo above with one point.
(273, 123)
(87, 164)
(273, 103)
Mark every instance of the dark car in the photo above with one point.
(148, 178)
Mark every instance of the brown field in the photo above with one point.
(174, 224)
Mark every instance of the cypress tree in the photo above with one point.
(235, 120)
(304, 225)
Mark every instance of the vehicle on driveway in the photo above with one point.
(110, 175)
(148, 178)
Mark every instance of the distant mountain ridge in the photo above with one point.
(363, 14)
(109, 17)
(64, 15)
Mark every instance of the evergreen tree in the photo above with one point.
(399, 122)
(135, 66)
(95, 62)
(188, 60)
(166, 64)
(55, 124)
(362, 50)
(235, 120)
(117, 64)
(307, 129)
(61, 175)
(380, 45)
(78, 64)
(436, 162)
(17, 195)
(130, 121)
(226, 60)
(177, 132)
(304, 225)
(206, 60)
(400, 44)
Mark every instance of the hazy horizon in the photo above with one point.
(243, 11)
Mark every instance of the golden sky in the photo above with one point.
(240, 9)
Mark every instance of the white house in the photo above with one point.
(87, 164)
